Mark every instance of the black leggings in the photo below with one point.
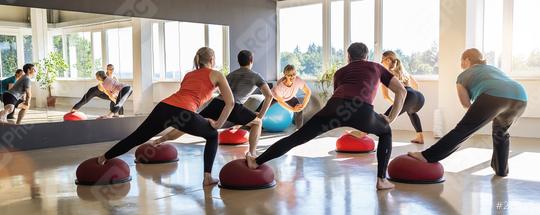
(123, 95)
(503, 112)
(95, 92)
(413, 103)
(339, 113)
(164, 116)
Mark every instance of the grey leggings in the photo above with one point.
(501, 111)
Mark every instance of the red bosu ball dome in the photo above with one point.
(114, 171)
(233, 137)
(150, 154)
(406, 169)
(349, 143)
(75, 116)
(237, 176)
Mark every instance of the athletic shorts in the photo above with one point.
(9, 99)
(240, 115)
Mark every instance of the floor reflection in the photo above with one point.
(311, 180)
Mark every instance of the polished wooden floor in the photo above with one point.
(311, 179)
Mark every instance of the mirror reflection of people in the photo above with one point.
(7, 84)
(414, 100)
(351, 105)
(243, 83)
(489, 95)
(95, 92)
(117, 92)
(19, 95)
(178, 111)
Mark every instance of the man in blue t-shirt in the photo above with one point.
(7, 83)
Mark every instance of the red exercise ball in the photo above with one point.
(150, 154)
(351, 144)
(406, 169)
(237, 176)
(75, 116)
(233, 137)
(114, 171)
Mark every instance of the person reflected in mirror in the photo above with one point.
(19, 95)
(95, 92)
(7, 84)
(117, 92)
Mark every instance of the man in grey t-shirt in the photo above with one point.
(18, 95)
(243, 83)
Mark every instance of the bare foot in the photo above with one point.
(358, 134)
(209, 180)
(101, 160)
(384, 184)
(156, 143)
(250, 160)
(417, 156)
(419, 139)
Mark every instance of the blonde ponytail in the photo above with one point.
(203, 58)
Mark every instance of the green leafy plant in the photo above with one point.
(225, 70)
(48, 69)
(326, 81)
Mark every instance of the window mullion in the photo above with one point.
(378, 33)
(508, 24)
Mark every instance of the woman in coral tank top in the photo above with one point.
(178, 111)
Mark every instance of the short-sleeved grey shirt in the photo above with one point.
(243, 82)
(19, 88)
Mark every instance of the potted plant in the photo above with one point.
(49, 68)
(325, 83)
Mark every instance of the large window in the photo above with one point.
(175, 44)
(411, 29)
(120, 51)
(526, 38)
(301, 39)
(8, 55)
(363, 23)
